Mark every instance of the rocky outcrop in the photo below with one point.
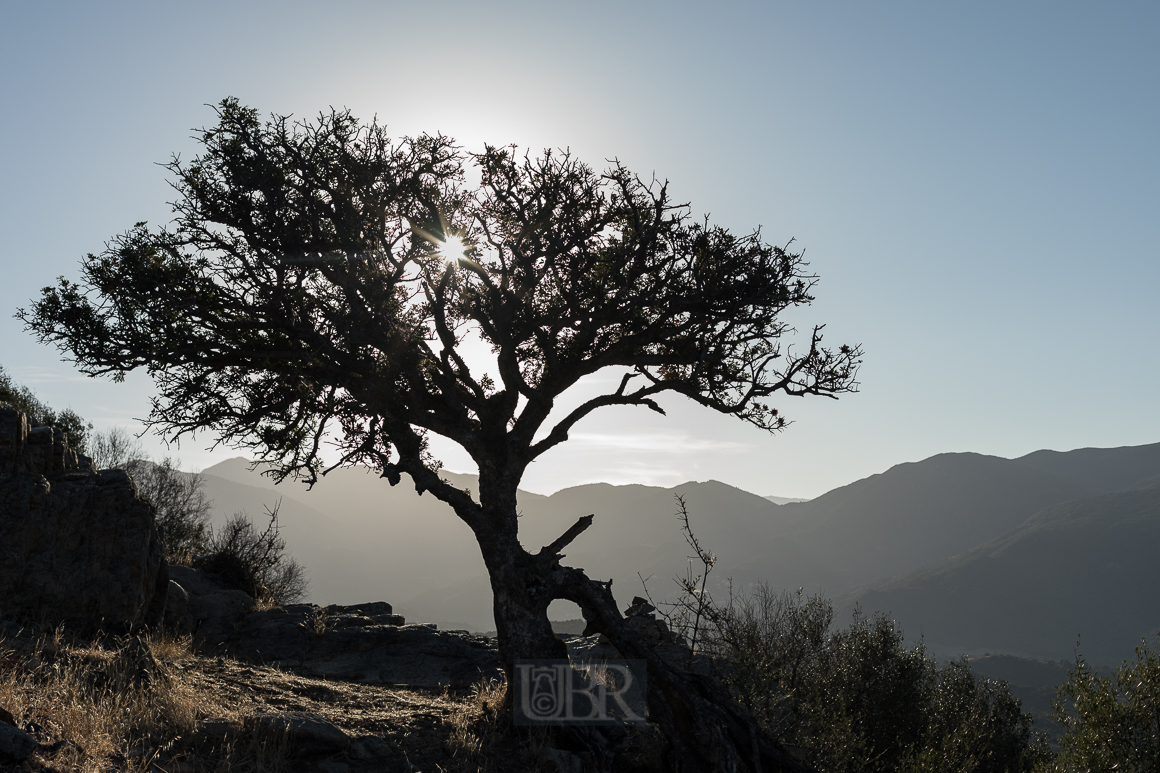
(365, 643)
(347, 643)
(201, 605)
(15, 744)
(302, 731)
(78, 545)
(642, 618)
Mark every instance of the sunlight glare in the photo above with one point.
(452, 249)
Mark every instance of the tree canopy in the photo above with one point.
(304, 286)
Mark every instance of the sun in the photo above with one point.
(452, 249)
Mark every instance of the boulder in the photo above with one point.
(370, 747)
(339, 642)
(177, 616)
(79, 545)
(365, 643)
(305, 733)
(15, 744)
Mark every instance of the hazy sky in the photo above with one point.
(977, 184)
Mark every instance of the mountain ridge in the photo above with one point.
(384, 542)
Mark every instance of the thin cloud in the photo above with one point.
(663, 443)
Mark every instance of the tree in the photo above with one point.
(1111, 723)
(320, 277)
(178, 499)
(858, 699)
(40, 414)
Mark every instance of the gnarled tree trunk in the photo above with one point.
(704, 728)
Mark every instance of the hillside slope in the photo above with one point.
(362, 539)
(1085, 569)
(923, 512)
(377, 541)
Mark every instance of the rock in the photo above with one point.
(177, 616)
(333, 766)
(370, 747)
(305, 732)
(594, 647)
(219, 729)
(639, 606)
(334, 643)
(6, 717)
(79, 545)
(15, 744)
(560, 761)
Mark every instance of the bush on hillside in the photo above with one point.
(180, 503)
(255, 562)
(858, 699)
(1111, 723)
(853, 699)
(24, 399)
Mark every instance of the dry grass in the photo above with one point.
(141, 705)
(113, 702)
(483, 739)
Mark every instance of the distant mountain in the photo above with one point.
(1099, 470)
(1084, 569)
(359, 538)
(783, 500)
(923, 512)
(362, 539)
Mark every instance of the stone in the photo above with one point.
(333, 766)
(79, 545)
(219, 729)
(370, 747)
(332, 643)
(177, 616)
(639, 606)
(15, 744)
(560, 761)
(305, 732)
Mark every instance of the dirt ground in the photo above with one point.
(103, 706)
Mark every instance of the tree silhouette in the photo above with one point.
(320, 279)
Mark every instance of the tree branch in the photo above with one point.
(553, 550)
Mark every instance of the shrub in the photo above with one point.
(858, 698)
(1111, 723)
(255, 562)
(177, 497)
(853, 699)
(24, 399)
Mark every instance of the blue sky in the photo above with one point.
(976, 184)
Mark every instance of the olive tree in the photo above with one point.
(1111, 722)
(320, 279)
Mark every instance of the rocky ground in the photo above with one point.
(159, 705)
